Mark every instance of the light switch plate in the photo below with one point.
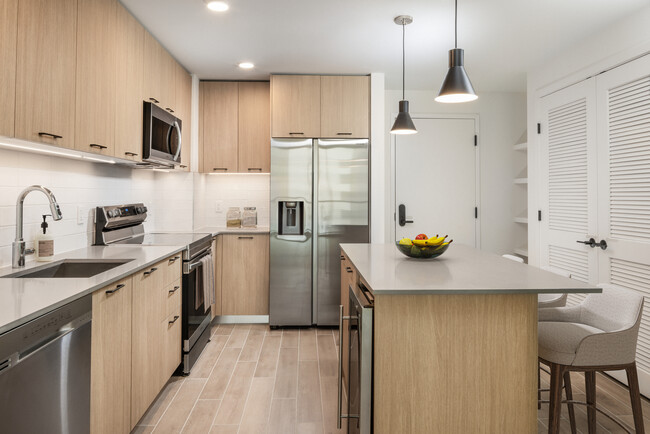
(80, 215)
(219, 206)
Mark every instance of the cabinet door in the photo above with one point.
(254, 127)
(245, 275)
(8, 26)
(110, 371)
(168, 70)
(96, 74)
(183, 112)
(129, 91)
(345, 107)
(171, 328)
(295, 106)
(45, 71)
(153, 76)
(217, 254)
(219, 128)
(147, 339)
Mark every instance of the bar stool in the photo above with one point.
(553, 300)
(600, 334)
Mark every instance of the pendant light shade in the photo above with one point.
(456, 87)
(403, 122)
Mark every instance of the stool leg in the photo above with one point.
(539, 386)
(555, 398)
(635, 397)
(569, 397)
(590, 388)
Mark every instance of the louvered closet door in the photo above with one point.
(568, 184)
(624, 188)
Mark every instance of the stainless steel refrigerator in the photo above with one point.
(319, 199)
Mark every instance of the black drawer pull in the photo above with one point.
(343, 134)
(174, 259)
(117, 288)
(176, 288)
(154, 100)
(220, 168)
(296, 133)
(255, 168)
(95, 145)
(348, 269)
(342, 257)
(245, 238)
(131, 154)
(182, 166)
(54, 136)
(169, 110)
(174, 320)
(146, 273)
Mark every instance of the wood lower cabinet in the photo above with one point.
(245, 275)
(254, 127)
(217, 253)
(345, 106)
(8, 29)
(295, 106)
(129, 92)
(45, 71)
(95, 78)
(110, 370)
(219, 102)
(172, 341)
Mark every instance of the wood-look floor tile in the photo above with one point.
(234, 400)
(324, 331)
(327, 356)
(307, 345)
(224, 429)
(251, 350)
(290, 338)
(329, 398)
(260, 328)
(268, 361)
(258, 406)
(165, 397)
(286, 380)
(276, 332)
(309, 404)
(224, 329)
(283, 417)
(201, 417)
(237, 338)
(181, 406)
(336, 337)
(203, 367)
(143, 429)
(220, 376)
(309, 428)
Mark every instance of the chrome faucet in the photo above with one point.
(18, 246)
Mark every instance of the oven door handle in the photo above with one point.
(196, 262)
(340, 394)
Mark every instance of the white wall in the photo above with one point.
(502, 121)
(610, 47)
(82, 186)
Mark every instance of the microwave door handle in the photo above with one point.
(180, 140)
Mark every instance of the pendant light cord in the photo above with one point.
(456, 24)
(403, 61)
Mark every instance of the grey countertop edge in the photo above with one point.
(219, 230)
(416, 291)
(25, 319)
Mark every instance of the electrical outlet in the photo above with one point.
(219, 206)
(80, 215)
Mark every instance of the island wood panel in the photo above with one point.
(129, 92)
(245, 275)
(8, 28)
(254, 127)
(217, 244)
(345, 106)
(45, 71)
(219, 101)
(348, 277)
(455, 364)
(96, 75)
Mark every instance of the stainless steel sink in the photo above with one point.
(70, 268)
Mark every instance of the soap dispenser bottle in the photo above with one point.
(44, 243)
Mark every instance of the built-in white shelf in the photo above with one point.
(521, 146)
(521, 181)
(521, 219)
(522, 251)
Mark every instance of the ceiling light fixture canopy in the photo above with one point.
(403, 122)
(456, 86)
(216, 6)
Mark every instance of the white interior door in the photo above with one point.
(435, 179)
(624, 189)
(568, 182)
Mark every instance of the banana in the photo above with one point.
(436, 241)
(420, 243)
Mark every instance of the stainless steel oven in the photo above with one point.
(359, 382)
(162, 140)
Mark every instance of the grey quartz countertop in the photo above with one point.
(22, 300)
(460, 270)
(220, 230)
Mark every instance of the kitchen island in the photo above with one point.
(455, 338)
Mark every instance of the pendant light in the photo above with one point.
(456, 87)
(403, 123)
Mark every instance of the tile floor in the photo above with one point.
(251, 379)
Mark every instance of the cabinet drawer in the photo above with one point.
(172, 344)
(173, 298)
(172, 269)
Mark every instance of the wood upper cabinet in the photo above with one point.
(183, 112)
(110, 370)
(159, 74)
(295, 105)
(129, 91)
(96, 75)
(8, 27)
(219, 101)
(254, 127)
(245, 275)
(345, 106)
(45, 71)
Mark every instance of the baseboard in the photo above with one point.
(241, 319)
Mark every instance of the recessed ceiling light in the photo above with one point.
(217, 6)
(246, 65)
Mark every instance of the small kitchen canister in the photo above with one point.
(233, 217)
(249, 218)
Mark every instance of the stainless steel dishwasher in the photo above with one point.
(45, 372)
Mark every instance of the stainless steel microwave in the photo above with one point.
(162, 140)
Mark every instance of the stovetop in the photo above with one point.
(166, 239)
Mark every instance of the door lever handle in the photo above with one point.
(402, 215)
(590, 242)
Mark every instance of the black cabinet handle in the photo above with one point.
(117, 288)
(54, 136)
(169, 110)
(182, 166)
(296, 133)
(245, 238)
(255, 168)
(146, 273)
(342, 257)
(348, 269)
(343, 134)
(154, 100)
(95, 145)
(174, 259)
(220, 168)
(174, 320)
(131, 154)
(176, 288)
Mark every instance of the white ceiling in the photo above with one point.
(502, 38)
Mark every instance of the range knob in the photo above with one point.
(114, 213)
(141, 209)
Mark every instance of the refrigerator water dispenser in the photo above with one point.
(291, 218)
